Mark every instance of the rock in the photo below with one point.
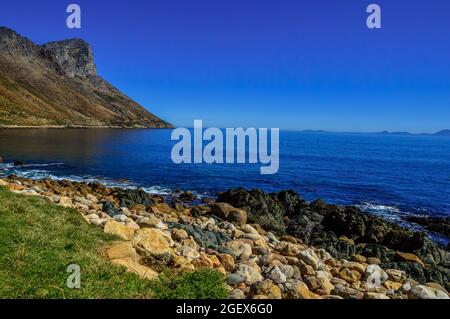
(266, 288)
(122, 250)
(153, 246)
(134, 267)
(187, 197)
(375, 275)
(241, 250)
(361, 268)
(350, 275)
(276, 275)
(151, 222)
(375, 295)
(325, 285)
(237, 294)
(227, 262)
(161, 208)
(395, 275)
(188, 253)
(424, 292)
(179, 234)
(3, 183)
(391, 285)
(235, 279)
(408, 257)
(359, 258)
(309, 257)
(373, 261)
(250, 273)
(115, 228)
(299, 290)
(120, 218)
(19, 163)
(267, 210)
(288, 249)
(65, 202)
(229, 213)
(435, 285)
(346, 292)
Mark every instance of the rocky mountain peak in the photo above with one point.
(13, 43)
(74, 57)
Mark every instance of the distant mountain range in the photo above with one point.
(440, 133)
(56, 85)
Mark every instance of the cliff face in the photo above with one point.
(56, 84)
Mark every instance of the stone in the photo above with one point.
(154, 246)
(235, 279)
(424, 292)
(152, 222)
(349, 275)
(375, 295)
(309, 257)
(115, 228)
(288, 249)
(250, 273)
(408, 257)
(227, 262)
(229, 213)
(299, 290)
(375, 275)
(65, 202)
(187, 252)
(395, 275)
(266, 288)
(122, 250)
(361, 268)
(179, 234)
(347, 292)
(435, 285)
(325, 285)
(373, 261)
(237, 294)
(276, 275)
(241, 250)
(359, 258)
(136, 268)
(306, 269)
(161, 209)
(391, 285)
(121, 218)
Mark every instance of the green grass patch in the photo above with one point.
(38, 240)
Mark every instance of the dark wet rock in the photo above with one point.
(132, 197)
(110, 209)
(204, 238)
(337, 248)
(19, 163)
(187, 197)
(267, 210)
(439, 225)
(1, 160)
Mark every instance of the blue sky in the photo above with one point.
(292, 64)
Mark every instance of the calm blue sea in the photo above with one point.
(389, 175)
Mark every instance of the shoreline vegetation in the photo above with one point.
(245, 244)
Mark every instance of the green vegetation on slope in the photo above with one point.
(38, 240)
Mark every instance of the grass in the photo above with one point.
(38, 240)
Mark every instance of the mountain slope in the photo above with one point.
(56, 84)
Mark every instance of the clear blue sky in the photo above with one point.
(293, 64)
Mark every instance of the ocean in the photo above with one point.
(387, 175)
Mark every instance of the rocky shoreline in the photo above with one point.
(267, 245)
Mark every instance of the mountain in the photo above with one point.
(443, 133)
(56, 84)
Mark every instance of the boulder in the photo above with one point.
(154, 246)
(115, 228)
(424, 292)
(229, 213)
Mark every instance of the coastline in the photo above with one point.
(19, 127)
(296, 250)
